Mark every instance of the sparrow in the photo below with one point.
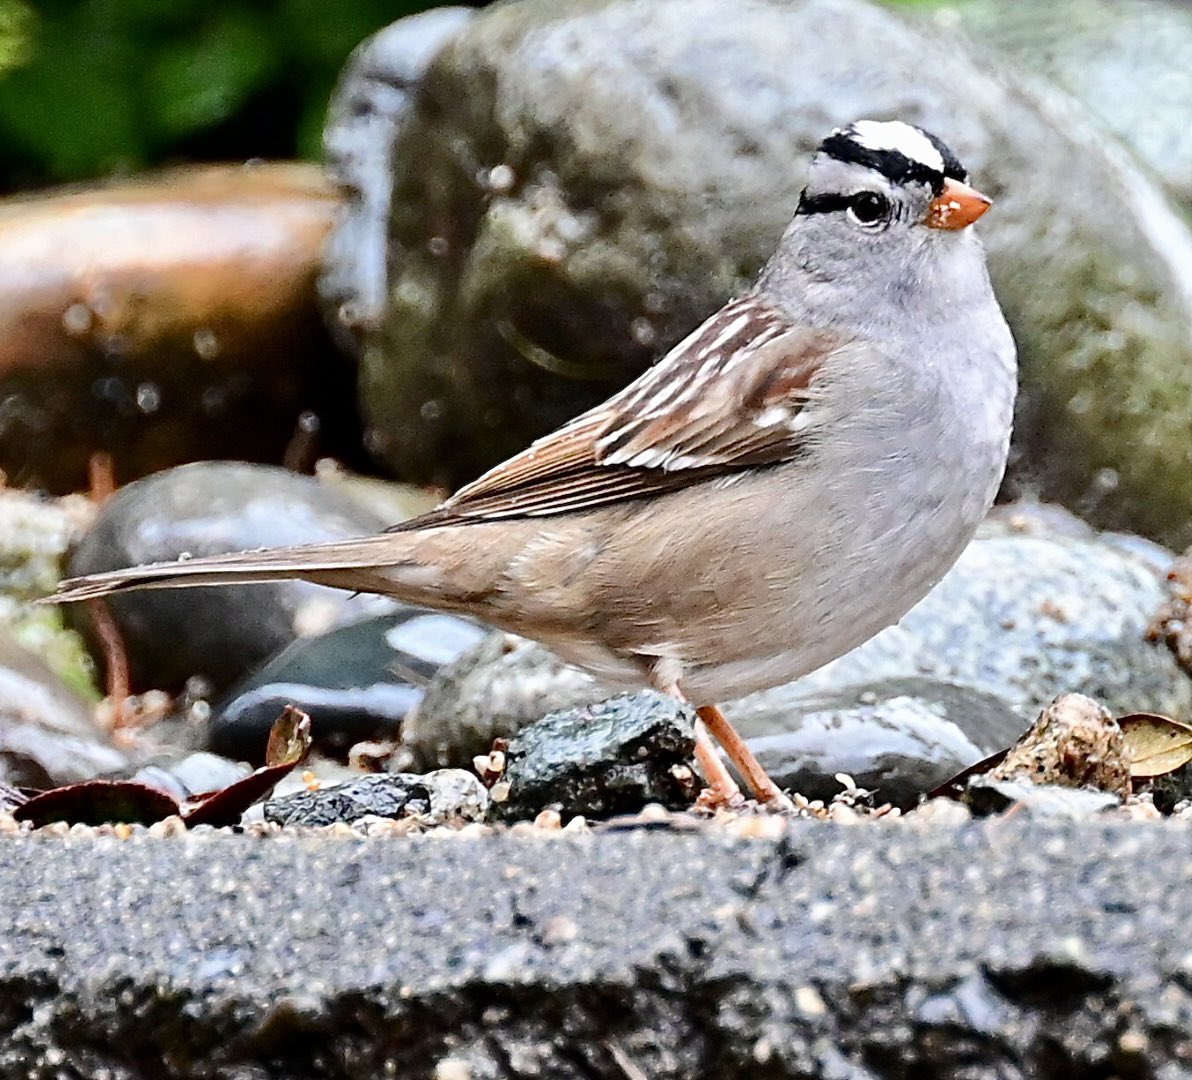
(782, 484)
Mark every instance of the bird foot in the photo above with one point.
(777, 803)
(714, 797)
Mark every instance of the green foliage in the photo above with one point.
(88, 87)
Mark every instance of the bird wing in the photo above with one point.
(733, 394)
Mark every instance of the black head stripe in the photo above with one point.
(952, 167)
(824, 203)
(892, 164)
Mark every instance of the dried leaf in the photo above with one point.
(289, 742)
(1158, 745)
(289, 738)
(953, 787)
(99, 802)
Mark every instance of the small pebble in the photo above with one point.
(453, 1069)
(758, 827)
(560, 930)
(809, 1002)
(941, 812)
(168, 827)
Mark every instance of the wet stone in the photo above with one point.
(48, 734)
(166, 317)
(543, 251)
(437, 798)
(600, 760)
(491, 691)
(356, 682)
(368, 105)
(898, 738)
(208, 508)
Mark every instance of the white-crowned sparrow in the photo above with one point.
(782, 484)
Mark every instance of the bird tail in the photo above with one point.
(364, 564)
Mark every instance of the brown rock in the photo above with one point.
(1074, 743)
(163, 319)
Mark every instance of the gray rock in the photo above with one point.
(1039, 949)
(1126, 61)
(579, 182)
(490, 692)
(48, 734)
(898, 738)
(369, 102)
(356, 682)
(219, 633)
(436, 798)
(610, 758)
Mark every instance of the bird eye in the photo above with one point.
(868, 207)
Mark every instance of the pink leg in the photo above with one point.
(740, 755)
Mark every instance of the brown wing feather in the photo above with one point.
(730, 395)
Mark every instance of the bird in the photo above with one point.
(783, 483)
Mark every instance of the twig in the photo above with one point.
(623, 1061)
(303, 446)
(101, 476)
(115, 660)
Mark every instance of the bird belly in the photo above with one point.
(767, 593)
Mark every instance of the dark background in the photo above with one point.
(100, 87)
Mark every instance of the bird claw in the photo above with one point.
(714, 798)
(778, 803)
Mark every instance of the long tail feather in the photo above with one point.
(307, 561)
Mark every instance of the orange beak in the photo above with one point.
(956, 207)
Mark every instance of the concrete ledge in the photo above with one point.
(1007, 948)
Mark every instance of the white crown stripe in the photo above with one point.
(899, 137)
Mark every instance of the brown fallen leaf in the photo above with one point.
(96, 802)
(953, 787)
(1157, 745)
(289, 742)
(289, 738)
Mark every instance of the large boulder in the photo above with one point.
(576, 183)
